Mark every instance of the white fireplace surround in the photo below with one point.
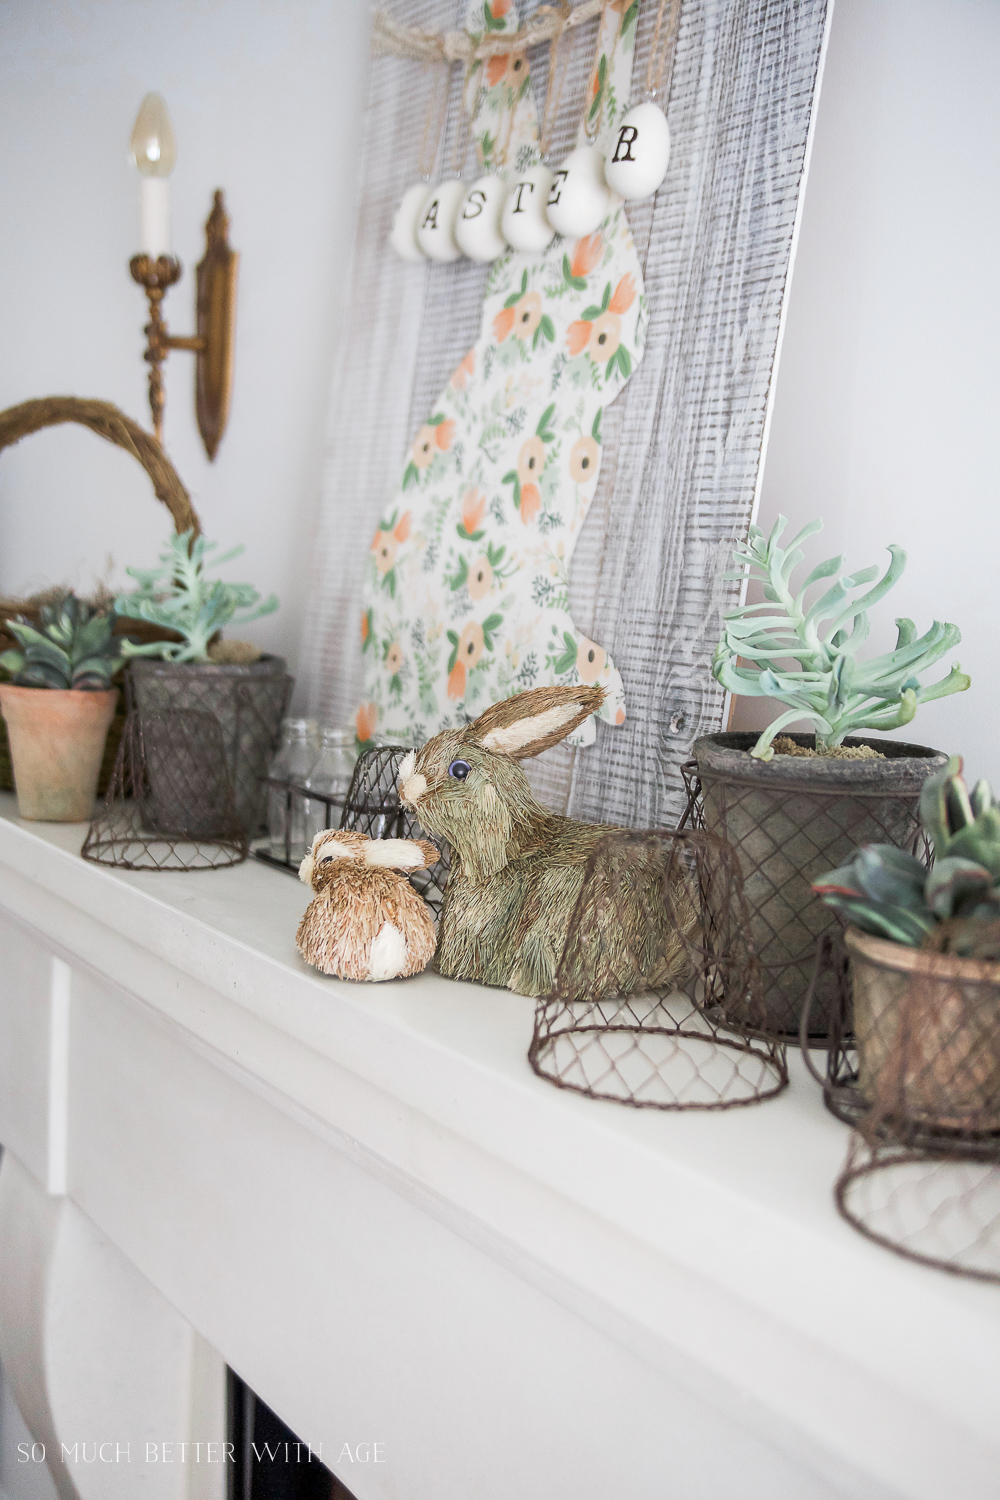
(362, 1199)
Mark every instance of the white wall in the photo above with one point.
(887, 408)
(266, 98)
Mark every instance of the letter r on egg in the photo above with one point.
(627, 137)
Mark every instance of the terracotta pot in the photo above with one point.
(790, 820)
(927, 1034)
(56, 744)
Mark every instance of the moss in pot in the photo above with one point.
(924, 946)
(791, 815)
(58, 706)
(200, 672)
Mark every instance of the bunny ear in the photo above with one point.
(401, 854)
(532, 722)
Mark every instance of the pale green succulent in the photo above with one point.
(818, 676)
(181, 598)
(72, 645)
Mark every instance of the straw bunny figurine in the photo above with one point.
(366, 921)
(516, 868)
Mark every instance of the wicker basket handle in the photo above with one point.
(110, 423)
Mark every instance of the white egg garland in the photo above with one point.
(450, 219)
(625, 158)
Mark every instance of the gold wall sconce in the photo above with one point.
(154, 152)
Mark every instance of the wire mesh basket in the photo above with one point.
(249, 702)
(942, 1210)
(371, 806)
(923, 1172)
(694, 1036)
(783, 837)
(184, 792)
(168, 764)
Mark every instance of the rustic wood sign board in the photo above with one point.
(682, 444)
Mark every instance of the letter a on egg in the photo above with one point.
(467, 581)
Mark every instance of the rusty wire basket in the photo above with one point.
(156, 815)
(185, 793)
(693, 1035)
(371, 805)
(922, 1175)
(248, 700)
(784, 836)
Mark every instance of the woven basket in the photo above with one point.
(113, 425)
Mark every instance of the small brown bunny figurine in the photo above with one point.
(366, 922)
(517, 869)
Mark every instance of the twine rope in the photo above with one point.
(114, 426)
(558, 65)
(390, 39)
(463, 130)
(434, 117)
(660, 64)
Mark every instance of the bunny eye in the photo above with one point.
(327, 859)
(459, 769)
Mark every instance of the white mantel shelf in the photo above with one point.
(363, 1198)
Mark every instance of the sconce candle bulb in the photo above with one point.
(154, 152)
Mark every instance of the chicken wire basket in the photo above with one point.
(248, 700)
(184, 792)
(696, 1041)
(922, 1175)
(941, 1210)
(783, 836)
(170, 802)
(371, 806)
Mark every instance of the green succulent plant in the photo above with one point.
(179, 596)
(806, 658)
(72, 646)
(954, 905)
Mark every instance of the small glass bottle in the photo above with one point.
(286, 822)
(331, 774)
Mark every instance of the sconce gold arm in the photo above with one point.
(213, 344)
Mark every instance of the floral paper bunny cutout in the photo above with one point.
(467, 585)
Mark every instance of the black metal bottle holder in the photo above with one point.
(371, 806)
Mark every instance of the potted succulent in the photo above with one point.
(924, 946)
(58, 705)
(199, 671)
(796, 805)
